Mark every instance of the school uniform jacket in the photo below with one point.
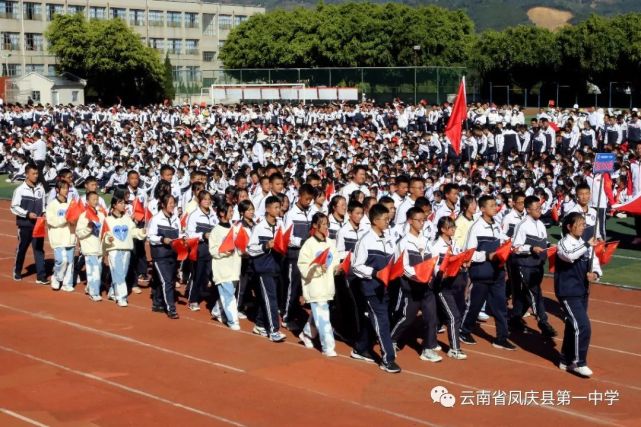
(371, 254)
(510, 220)
(486, 238)
(318, 286)
(415, 249)
(335, 225)
(572, 266)
(26, 200)
(89, 237)
(124, 231)
(199, 223)
(225, 268)
(265, 260)
(161, 226)
(347, 237)
(301, 222)
(58, 229)
(590, 221)
(528, 234)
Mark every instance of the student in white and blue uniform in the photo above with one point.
(488, 279)
(576, 266)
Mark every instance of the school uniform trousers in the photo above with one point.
(25, 240)
(268, 316)
(200, 278)
(414, 296)
(450, 298)
(163, 283)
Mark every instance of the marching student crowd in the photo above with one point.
(364, 214)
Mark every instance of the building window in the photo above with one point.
(193, 73)
(32, 11)
(35, 95)
(11, 70)
(209, 24)
(158, 44)
(97, 13)
(53, 10)
(118, 13)
(239, 19)
(209, 56)
(74, 96)
(224, 22)
(33, 41)
(191, 20)
(156, 18)
(10, 41)
(9, 10)
(174, 46)
(177, 72)
(72, 10)
(191, 47)
(36, 68)
(137, 17)
(174, 19)
(51, 70)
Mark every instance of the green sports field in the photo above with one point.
(625, 268)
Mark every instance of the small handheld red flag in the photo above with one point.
(503, 252)
(92, 215)
(606, 255)
(321, 259)
(180, 248)
(446, 260)
(393, 270)
(242, 240)
(281, 240)
(424, 270)
(555, 213)
(347, 263)
(192, 245)
(227, 244)
(39, 228)
(138, 210)
(329, 191)
(397, 268)
(455, 263)
(183, 220)
(551, 258)
(74, 211)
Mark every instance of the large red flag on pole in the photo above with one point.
(454, 127)
(632, 207)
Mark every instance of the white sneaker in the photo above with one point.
(430, 355)
(307, 341)
(234, 326)
(55, 285)
(584, 371)
(437, 348)
(86, 289)
(277, 337)
(259, 331)
(95, 298)
(457, 354)
(122, 303)
(330, 353)
(136, 290)
(563, 366)
(242, 315)
(67, 288)
(483, 317)
(194, 306)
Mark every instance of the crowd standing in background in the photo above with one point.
(337, 221)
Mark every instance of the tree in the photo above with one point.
(170, 90)
(110, 55)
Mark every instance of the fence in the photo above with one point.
(411, 84)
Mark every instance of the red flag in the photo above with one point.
(183, 220)
(555, 213)
(321, 259)
(329, 191)
(242, 240)
(148, 215)
(446, 260)
(393, 270)
(192, 245)
(397, 268)
(39, 228)
(228, 243)
(347, 263)
(104, 229)
(74, 211)
(454, 127)
(138, 210)
(92, 215)
(180, 248)
(455, 263)
(281, 240)
(606, 256)
(599, 249)
(103, 210)
(424, 270)
(503, 252)
(632, 207)
(552, 258)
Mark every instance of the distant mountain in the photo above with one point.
(497, 14)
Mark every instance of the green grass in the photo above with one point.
(625, 268)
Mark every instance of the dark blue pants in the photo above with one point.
(200, 276)
(527, 292)
(163, 283)
(37, 245)
(494, 294)
(576, 338)
(293, 309)
(378, 312)
(448, 299)
(268, 317)
(411, 301)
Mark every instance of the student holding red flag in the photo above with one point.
(416, 287)
(199, 226)
(247, 281)
(88, 233)
(372, 255)
(318, 261)
(267, 264)
(450, 290)
(530, 243)
(576, 266)
(487, 276)
(163, 229)
(61, 239)
(136, 208)
(225, 265)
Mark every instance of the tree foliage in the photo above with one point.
(110, 55)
